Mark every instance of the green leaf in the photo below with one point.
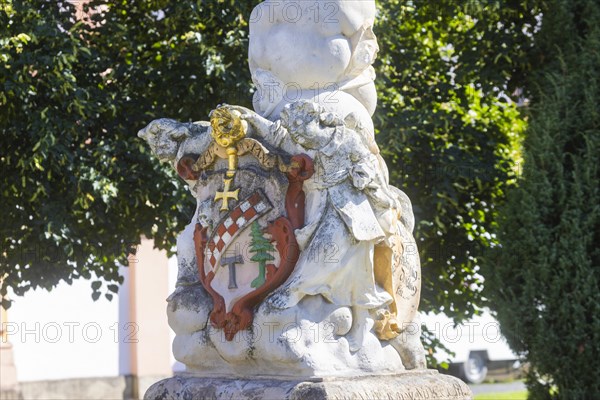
(113, 288)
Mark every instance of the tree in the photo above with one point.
(544, 279)
(449, 129)
(79, 188)
(262, 249)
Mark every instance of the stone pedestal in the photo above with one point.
(425, 385)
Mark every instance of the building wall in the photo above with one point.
(64, 334)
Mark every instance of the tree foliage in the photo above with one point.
(79, 188)
(449, 129)
(545, 278)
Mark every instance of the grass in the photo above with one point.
(503, 396)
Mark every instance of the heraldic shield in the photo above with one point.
(250, 203)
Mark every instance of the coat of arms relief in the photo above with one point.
(298, 244)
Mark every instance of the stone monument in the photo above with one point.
(298, 274)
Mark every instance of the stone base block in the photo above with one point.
(421, 385)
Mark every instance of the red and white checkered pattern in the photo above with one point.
(239, 219)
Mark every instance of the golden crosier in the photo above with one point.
(227, 130)
(227, 126)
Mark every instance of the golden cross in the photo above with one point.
(226, 194)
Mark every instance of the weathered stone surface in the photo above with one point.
(299, 263)
(349, 307)
(414, 385)
(319, 50)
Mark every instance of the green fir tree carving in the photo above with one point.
(262, 249)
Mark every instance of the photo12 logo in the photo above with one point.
(293, 11)
(69, 332)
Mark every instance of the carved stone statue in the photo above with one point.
(340, 275)
(317, 50)
(299, 263)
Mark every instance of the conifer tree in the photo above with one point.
(262, 249)
(544, 279)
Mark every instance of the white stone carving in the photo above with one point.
(321, 51)
(349, 307)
